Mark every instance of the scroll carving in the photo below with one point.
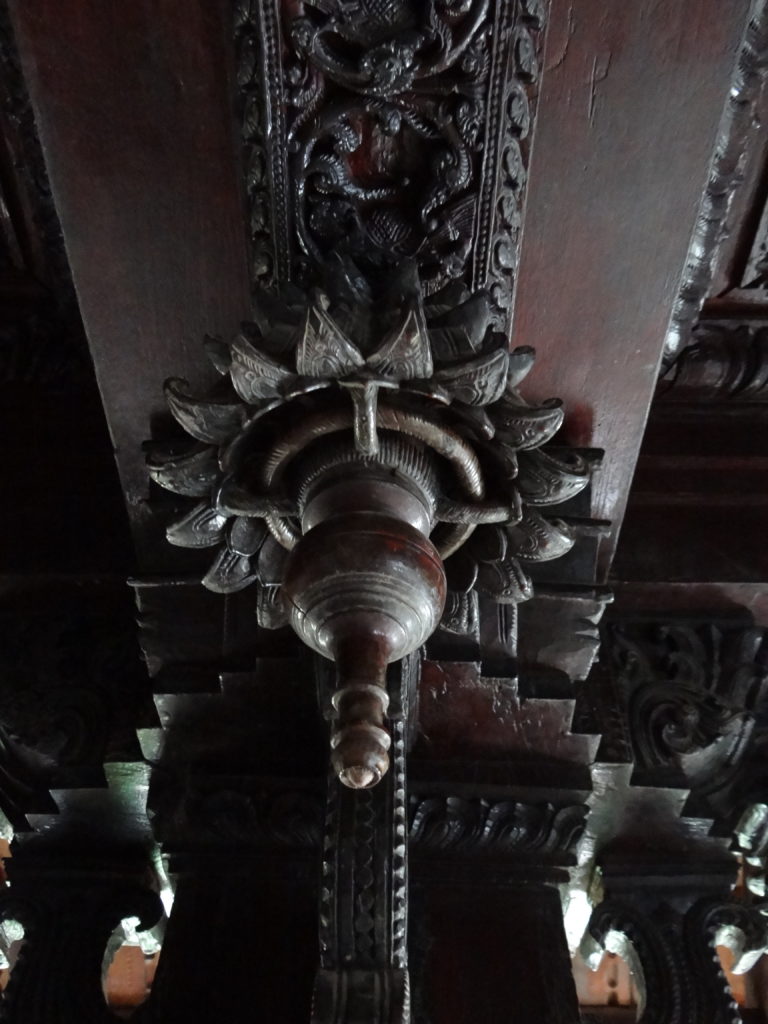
(475, 826)
(738, 125)
(691, 692)
(389, 132)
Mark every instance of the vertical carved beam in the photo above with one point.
(363, 975)
(738, 126)
(388, 132)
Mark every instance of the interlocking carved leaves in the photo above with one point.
(389, 130)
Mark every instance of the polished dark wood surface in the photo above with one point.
(135, 121)
(629, 111)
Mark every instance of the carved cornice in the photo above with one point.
(737, 128)
(500, 828)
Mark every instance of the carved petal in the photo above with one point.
(462, 329)
(405, 353)
(544, 479)
(460, 615)
(191, 473)
(203, 527)
(229, 573)
(324, 349)
(255, 376)
(245, 536)
(504, 581)
(270, 610)
(536, 539)
(523, 426)
(449, 344)
(521, 360)
(478, 382)
(218, 354)
(210, 420)
(272, 559)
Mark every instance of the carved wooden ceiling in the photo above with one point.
(599, 172)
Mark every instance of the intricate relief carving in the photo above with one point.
(655, 951)
(738, 125)
(474, 826)
(261, 107)
(389, 132)
(363, 974)
(223, 814)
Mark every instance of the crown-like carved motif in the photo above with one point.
(340, 360)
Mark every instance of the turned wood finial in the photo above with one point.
(360, 742)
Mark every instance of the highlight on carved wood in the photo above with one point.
(367, 451)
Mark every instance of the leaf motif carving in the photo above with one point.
(523, 426)
(206, 419)
(405, 352)
(191, 473)
(504, 581)
(545, 479)
(229, 573)
(256, 377)
(203, 527)
(480, 381)
(324, 350)
(536, 539)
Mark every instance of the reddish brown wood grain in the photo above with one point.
(628, 114)
(134, 113)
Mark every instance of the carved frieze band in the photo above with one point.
(363, 973)
(725, 361)
(738, 126)
(386, 132)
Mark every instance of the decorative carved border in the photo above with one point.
(737, 128)
(335, 95)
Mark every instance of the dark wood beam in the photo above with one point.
(630, 103)
(134, 114)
